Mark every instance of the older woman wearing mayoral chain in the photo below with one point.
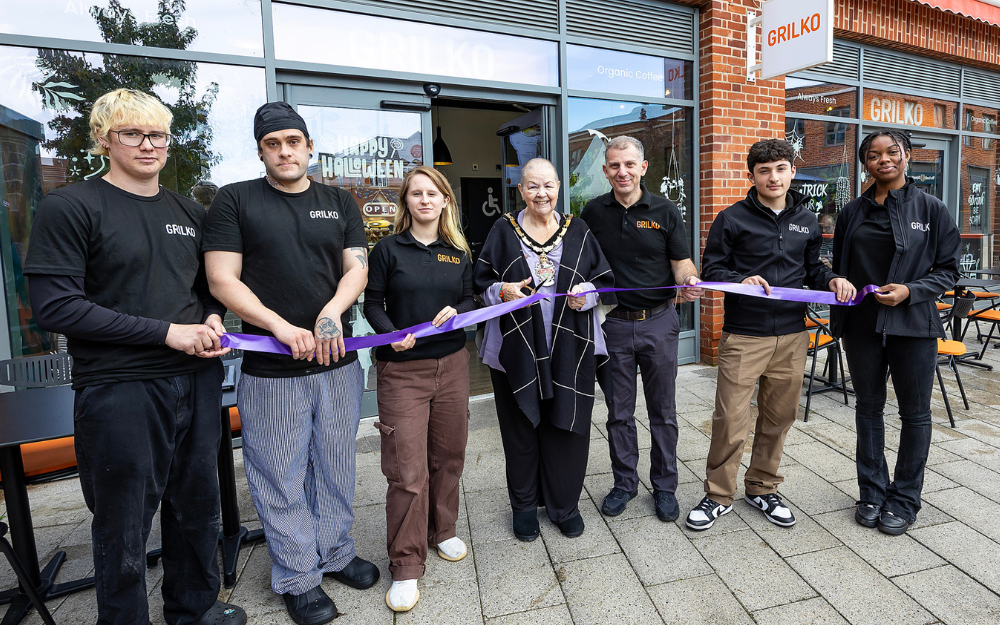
(421, 273)
(543, 358)
(906, 241)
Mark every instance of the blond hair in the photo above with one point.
(449, 228)
(122, 107)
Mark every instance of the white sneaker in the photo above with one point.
(775, 511)
(402, 596)
(452, 549)
(703, 516)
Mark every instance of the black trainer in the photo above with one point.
(617, 499)
(313, 607)
(892, 524)
(667, 508)
(703, 515)
(867, 513)
(358, 573)
(775, 511)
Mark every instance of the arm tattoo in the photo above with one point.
(327, 328)
(361, 253)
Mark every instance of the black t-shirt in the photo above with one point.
(872, 249)
(639, 243)
(138, 256)
(418, 281)
(292, 246)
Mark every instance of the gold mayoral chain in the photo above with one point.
(545, 269)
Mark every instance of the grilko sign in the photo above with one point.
(795, 35)
(884, 108)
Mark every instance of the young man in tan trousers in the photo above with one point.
(771, 238)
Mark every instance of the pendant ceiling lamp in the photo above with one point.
(442, 155)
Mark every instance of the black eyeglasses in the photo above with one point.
(134, 138)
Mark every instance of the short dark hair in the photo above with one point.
(899, 138)
(769, 151)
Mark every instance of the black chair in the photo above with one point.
(822, 340)
(949, 352)
(22, 577)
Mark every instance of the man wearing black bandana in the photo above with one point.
(290, 257)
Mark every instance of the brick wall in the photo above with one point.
(734, 114)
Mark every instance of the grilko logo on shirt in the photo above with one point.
(652, 225)
(186, 231)
(445, 258)
(324, 214)
(798, 228)
(916, 225)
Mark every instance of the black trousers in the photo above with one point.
(912, 363)
(545, 465)
(141, 444)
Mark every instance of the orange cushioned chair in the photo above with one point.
(822, 340)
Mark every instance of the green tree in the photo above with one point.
(72, 83)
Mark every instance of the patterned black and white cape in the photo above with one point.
(567, 374)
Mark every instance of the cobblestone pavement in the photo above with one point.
(636, 569)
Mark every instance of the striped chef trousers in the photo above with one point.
(298, 451)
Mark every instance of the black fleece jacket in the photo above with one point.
(748, 239)
(926, 259)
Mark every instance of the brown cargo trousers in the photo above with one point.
(423, 412)
(778, 362)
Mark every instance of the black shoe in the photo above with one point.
(572, 527)
(313, 607)
(774, 510)
(358, 574)
(867, 513)
(617, 499)
(892, 524)
(223, 614)
(666, 505)
(526, 525)
(703, 515)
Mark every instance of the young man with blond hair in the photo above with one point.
(114, 264)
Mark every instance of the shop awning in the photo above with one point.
(983, 10)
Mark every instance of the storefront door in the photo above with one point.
(364, 141)
(523, 140)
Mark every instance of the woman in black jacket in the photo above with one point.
(906, 241)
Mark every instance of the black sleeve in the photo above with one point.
(677, 241)
(946, 270)
(468, 302)
(59, 304)
(60, 238)
(715, 261)
(222, 226)
(818, 275)
(354, 235)
(375, 313)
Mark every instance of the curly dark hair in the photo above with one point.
(769, 151)
(899, 138)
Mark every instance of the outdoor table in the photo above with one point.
(31, 416)
(957, 330)
(985, 271)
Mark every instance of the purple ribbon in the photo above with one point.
(258, 343)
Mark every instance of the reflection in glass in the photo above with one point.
(222, 26)
(626, 73)
(366, 152)
(304, 34)
(977, 221)
(887, 107)
(665, 133)
(819, 98)
(45, 99)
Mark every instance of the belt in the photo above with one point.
(638, 315)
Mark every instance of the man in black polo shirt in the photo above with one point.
(644, 240)
(114, 265)
(290, 257)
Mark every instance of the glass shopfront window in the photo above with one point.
(45, 99)
(885, 107)
(223, 26)
(304, 34)
(820, 98)
(611, 71)
(665, 132)
(977, 219)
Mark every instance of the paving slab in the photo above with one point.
(596, 539)
(555, 615)
(658, 552)
(823, 460)
(490, 515)
(483, 471)
(973, 476)
(951, 596)
(515, 576)
(758, 577)
(889, 555)
(605, 590)
(973, 509)
(702, 599)
(976, 451)
(809, 612)
(811, 493)
(856, 590)
(439, 603)
(805, 536)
